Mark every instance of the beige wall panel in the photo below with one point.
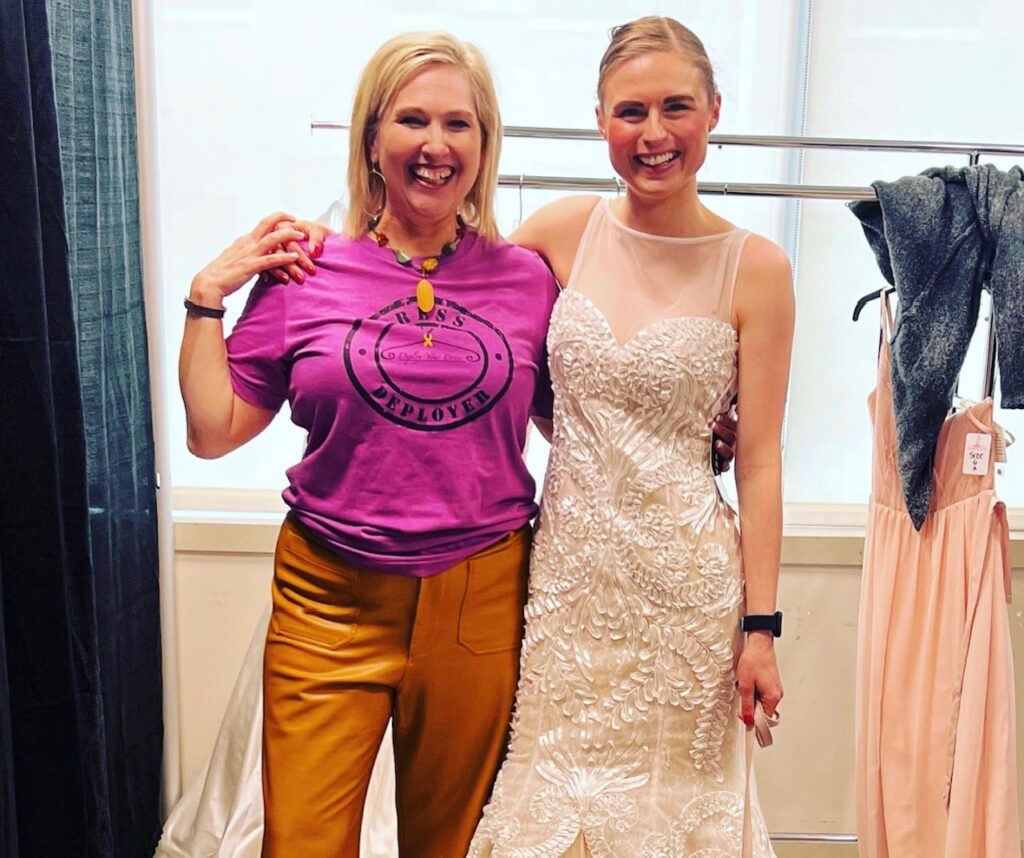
(220, 600)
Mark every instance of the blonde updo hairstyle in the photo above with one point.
(650, 34)
(389, 69)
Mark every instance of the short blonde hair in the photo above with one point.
(654, 33)
(394, 63)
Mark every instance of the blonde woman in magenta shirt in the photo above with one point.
(414, 358)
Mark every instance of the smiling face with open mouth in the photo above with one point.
(656, 117)
(428, 146)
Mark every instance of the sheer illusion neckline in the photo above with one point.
(668, 239)
(650, 327)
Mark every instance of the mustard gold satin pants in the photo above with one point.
(348, 649)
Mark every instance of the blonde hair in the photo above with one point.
(654, 33)
(385, 74)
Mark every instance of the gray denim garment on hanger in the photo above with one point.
(939, 238)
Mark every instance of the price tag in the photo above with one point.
(977, 453)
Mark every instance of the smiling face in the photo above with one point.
(656, 116)
(429, 146)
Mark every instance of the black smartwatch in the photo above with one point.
(763, 623)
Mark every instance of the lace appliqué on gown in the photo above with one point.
(626, 730)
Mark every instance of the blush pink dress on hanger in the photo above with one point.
(936, 770)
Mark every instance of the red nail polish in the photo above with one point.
(748, 720)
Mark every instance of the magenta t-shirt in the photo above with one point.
(416, 422)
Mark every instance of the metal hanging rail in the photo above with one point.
(737, 189)
(782, 142)
(771, 141)
(815, 192)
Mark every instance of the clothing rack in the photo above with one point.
(973, 152)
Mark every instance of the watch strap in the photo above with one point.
(763, 623)
(204, 312)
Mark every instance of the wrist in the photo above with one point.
(205, 294)
(761, 638)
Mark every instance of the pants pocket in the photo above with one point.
(315, 593)
(491, 616)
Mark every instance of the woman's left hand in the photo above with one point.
(757, 676)
(315, 234)
(723, 428)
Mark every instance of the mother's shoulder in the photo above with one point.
(503, 251)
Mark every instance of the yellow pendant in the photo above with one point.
(425, 296)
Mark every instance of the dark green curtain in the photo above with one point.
(80, 671)
(51, 721)
(94, 85)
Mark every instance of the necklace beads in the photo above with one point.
(430, 264)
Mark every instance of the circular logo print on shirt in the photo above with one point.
(428, 371)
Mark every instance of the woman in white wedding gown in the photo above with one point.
(626, 737)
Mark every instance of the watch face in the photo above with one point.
(763, 623)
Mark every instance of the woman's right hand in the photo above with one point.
(249, 255)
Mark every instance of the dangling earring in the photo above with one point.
(375, 171)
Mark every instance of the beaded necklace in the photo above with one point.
(424, 289)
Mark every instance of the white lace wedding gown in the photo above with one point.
(626, 739)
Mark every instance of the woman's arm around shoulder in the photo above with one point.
(554, 231)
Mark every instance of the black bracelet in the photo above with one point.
(205, 312)
(763, 623)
